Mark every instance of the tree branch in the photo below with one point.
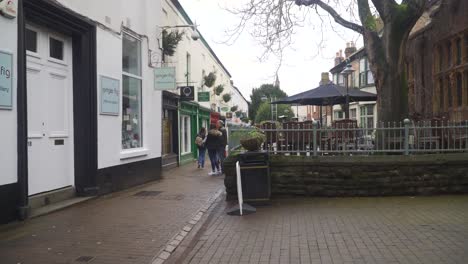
(365, 15)
(338, 19)
(384, 7)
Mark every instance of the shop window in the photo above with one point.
(185, 134)
(459, 90)
(31, 40)
(56, 48)
(131, 93)
(459, 51)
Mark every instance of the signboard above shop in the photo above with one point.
(165, 78)
(6, 80)
(203, 96)
(187, 93)
(8, 8)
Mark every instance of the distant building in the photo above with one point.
(364, 112)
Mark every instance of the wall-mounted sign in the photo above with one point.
(203, 96)
(110, 96)
(8, 8)
(224, 108)
(228, 115)
(187, 93)
(165, 78)
(6, 80)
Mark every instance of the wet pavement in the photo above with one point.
(337, 230)
(125, 227)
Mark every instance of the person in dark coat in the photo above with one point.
(212, 144)
(200, 142)
(223, 144)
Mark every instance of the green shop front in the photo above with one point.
(192, 118)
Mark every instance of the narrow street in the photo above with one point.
(126, 227)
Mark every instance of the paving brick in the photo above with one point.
(339, 230)
(117, 228)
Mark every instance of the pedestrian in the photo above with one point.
(212, 144)
(223, 144)
(200, 141)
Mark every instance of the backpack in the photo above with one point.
(199, 141)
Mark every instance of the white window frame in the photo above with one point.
(140, 78)
(186, 145)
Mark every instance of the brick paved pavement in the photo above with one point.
(119, 228)
(338, 230)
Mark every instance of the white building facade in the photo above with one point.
(81, 111)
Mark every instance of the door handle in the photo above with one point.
(29, 143)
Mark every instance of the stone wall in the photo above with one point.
(363, 176)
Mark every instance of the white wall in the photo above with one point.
(201, 60)
(142, 17)
(8, 121)
(238, 99)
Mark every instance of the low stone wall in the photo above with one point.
(380, 175)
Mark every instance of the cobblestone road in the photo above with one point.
(338, 230)
(120, 228)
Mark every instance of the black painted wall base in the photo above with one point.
(124, 176)
(9, 200)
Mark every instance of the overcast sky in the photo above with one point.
(303, 62)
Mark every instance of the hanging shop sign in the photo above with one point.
(229, 115)
(187, 93)
(8, 8)
(224, 108)
(6, 80)
(203, 96)
(165, 78)
(110, 96)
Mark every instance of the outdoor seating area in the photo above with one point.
(346, 137)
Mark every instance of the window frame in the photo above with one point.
(140, 79)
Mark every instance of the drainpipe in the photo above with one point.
(23, 202)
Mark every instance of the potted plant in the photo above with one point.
(253, 140)
(210, 79)
(226, 98)
(170, 40)
(234, 108)
(219, 89)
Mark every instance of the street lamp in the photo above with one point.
(195, 35)
(346, 72)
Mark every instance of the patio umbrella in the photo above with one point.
(328, 94)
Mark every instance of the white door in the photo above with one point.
(50, 110)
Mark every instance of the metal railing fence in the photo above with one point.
(346, 138)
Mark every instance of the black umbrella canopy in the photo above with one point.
(328, 94)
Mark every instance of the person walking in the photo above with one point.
(212, 144)
(222, 145)
(200, 142)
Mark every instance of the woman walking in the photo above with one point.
(200, 142)
(213, 141)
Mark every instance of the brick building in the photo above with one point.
(437, 62)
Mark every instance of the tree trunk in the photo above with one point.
(386, 58)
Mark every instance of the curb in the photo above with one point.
(177, 239)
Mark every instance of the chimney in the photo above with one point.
(325, 78)
(350, 49)
(338, 59)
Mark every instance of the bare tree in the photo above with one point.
(274, 22)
